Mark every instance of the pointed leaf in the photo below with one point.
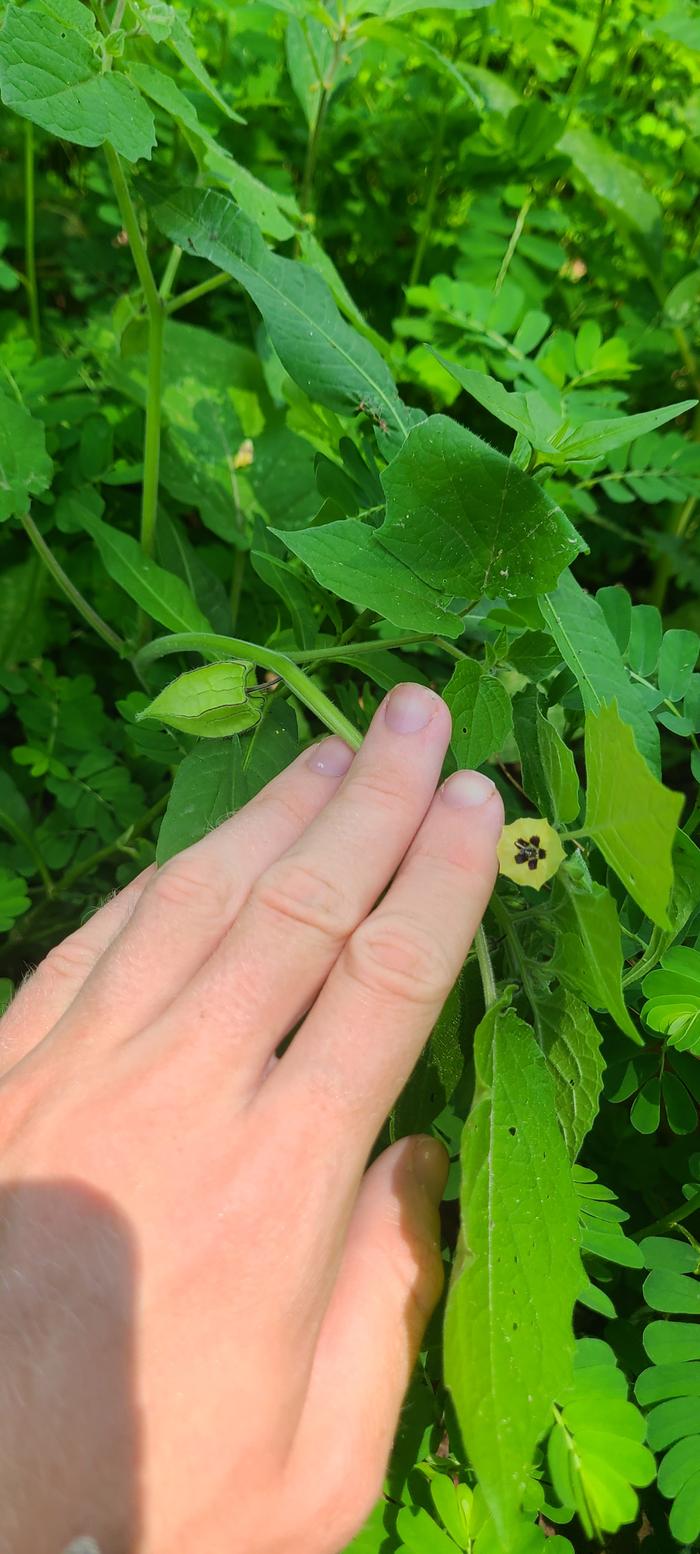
(631, 817)
(481, 713)
(571, 1044)
(467, 521)
(508, 1339)
(346, 558)
(324, 355)
(51, 73)
(588, 948)
(164, 597)
(587, 645)
(25, 467)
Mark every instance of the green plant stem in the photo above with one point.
(361, 621)
(240, 558)
(170, 272)
(195, 292)
(151, 446)
(132, 229)
(664, 569)
(488, 981)
(314, 138)
(676, 1217)
(154, 307)
(434, 177)
(214, 647)
(25, 839)
(29, 235)
(380, 645)
(514, 239)
(580, 76)
(52, 564)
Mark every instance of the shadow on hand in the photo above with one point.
(69, 1416)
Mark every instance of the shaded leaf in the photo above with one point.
(467, 520)
(631, 817)
(508, 1339)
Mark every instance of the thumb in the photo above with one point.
(389, 1282)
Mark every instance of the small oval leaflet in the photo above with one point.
(211, 702)
(529, 852)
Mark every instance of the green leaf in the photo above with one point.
(25, 467)
(677, 659)
(646, 631)
(631, 817)
(164, 597)
(595, 1451)
(588, 948)
(571, 1044)
(327, 358)
(309, 48)
(508, 1339)
(420, 1534)
(554, 433)
(211, 702)
(587, 645)
(347, 559)
(481, 713)
(436, 1074)
(205, 792)
(614, 182)
(549, 771)
(617, 609)
(14, 900)
(467, 521)
(51, 73)
(179, 39)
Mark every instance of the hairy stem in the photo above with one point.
(29, 235)
(154, 308)
(488, 981)
(53, 565)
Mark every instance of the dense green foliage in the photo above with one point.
(348, 343)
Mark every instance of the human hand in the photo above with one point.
(209, 1308)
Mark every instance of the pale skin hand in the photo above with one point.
(209, 1307)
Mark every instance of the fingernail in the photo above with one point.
(333, 758)
(430, 1164)
(409, 708)
(464, 790)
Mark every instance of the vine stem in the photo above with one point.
(53, 565)
(488, 981)
(195, 292)
(154, 308)
(212, 646)
(675, 1217)
(29, 235)
(434, 178)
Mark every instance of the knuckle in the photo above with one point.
(381, 788)
(398, 957)
(68, 961)
(297, 893)
(282, 811)
(182, 882)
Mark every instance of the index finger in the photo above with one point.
(355, 1051)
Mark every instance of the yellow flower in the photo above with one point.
(529, 852)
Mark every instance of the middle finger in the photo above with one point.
(271, 964)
